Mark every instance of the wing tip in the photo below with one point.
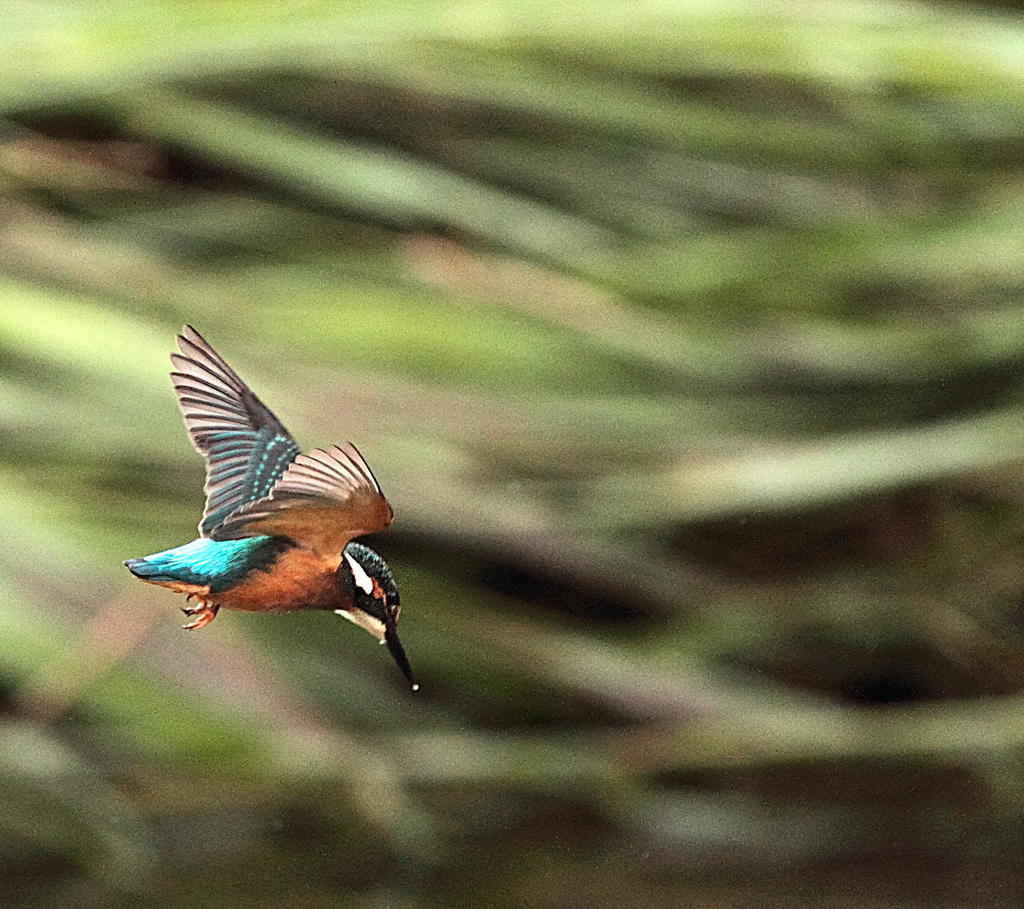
(190, 341)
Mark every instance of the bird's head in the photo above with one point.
(375, 605)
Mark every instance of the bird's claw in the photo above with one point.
(205, 614)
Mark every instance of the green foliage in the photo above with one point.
(686, 339)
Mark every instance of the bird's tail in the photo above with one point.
(150, 571)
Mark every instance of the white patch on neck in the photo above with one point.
(360, 576)
(365, 621)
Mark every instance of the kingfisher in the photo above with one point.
(279, 527)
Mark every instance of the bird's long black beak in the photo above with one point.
(396, 649)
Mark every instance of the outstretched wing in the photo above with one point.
(324, 499)
(246, 448)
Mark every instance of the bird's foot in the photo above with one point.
(204, 615)
(192, 610)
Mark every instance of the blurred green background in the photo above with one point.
(687, 340)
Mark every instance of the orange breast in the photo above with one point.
(299, 579)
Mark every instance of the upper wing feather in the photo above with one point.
(323, 500)
(246, 448)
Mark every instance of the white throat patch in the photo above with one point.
(364, 620)
(362, 579)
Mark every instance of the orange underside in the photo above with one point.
(299, 579)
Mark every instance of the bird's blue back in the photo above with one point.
(219, 564)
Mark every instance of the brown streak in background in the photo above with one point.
(111, 635)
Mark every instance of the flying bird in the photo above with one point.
(278, 528)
